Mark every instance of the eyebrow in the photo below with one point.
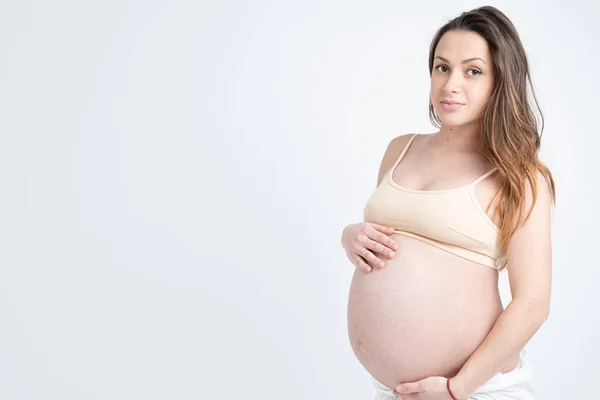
(465, 61)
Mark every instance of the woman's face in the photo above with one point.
(462, 72)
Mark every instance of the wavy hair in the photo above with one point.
(510, 135)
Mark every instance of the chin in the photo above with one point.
(454, 121)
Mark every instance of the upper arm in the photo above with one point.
(392, 152)
(529, 251)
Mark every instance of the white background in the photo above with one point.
(176, 175)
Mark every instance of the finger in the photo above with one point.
(379, 248)
(413, 387)
(386, 231)
(383, 239)
(379, 260)
(370, 258)
(359, 262)
(382, 228)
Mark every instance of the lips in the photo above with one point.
(446, 106)
(450, 102)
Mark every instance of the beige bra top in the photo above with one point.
(451, 219)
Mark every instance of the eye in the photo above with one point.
(472, 69)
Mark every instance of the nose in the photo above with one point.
(454, 82)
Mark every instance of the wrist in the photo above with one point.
(457, 389)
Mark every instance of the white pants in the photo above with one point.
(513, 385)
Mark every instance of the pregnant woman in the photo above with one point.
(451, 210)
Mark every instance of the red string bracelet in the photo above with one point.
(449, 391)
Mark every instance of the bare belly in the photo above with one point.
(423, 314)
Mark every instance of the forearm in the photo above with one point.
(514, 328)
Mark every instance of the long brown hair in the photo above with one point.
(509, 128)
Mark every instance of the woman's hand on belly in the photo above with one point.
(430, 388)
(361, 241)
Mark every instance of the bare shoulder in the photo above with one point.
(392, 152)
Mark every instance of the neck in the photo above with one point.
(464, 138)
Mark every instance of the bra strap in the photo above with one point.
(404, 151)
(482, 177)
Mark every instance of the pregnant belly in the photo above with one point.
(423, 314)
